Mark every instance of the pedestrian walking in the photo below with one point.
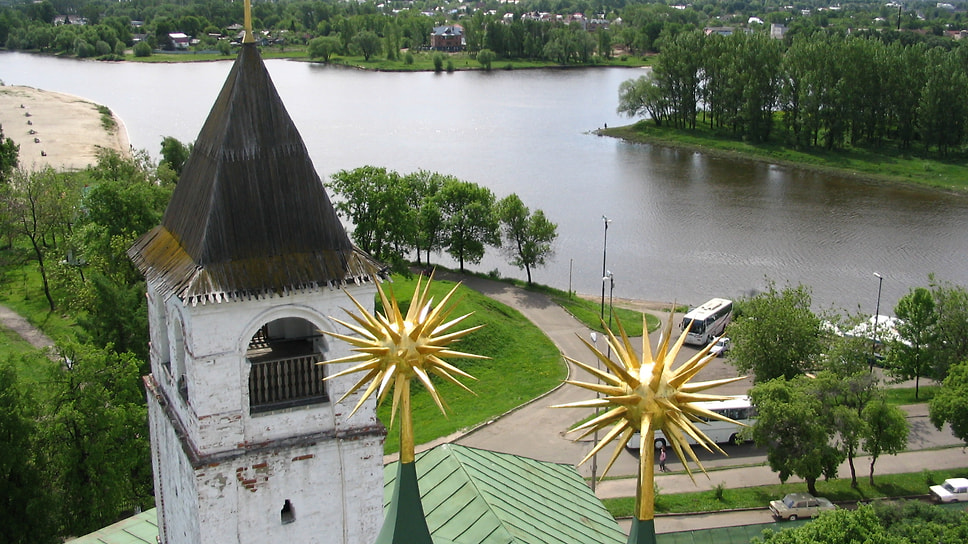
(662, 458)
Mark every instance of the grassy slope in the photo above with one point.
(524, 364)
(883, 165)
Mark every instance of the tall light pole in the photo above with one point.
(877, 317)
(605, 221)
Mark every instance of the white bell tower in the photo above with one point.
(248, 444)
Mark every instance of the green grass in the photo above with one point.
(107, 119)
(883, 164)
(905, 395)
(524, 364)
(22, 292)
(839, 490)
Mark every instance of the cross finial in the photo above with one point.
(248, 37)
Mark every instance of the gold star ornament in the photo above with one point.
(393, 348)
(643, 395)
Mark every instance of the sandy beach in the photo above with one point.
(55, 129)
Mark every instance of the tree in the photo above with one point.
(643, 96)
(910, 355)
(886, 431)
(837, 527)
(95, 437)
(775, 334)
(423, 186)
(174, 153)
(43, 204)
(528, 238)
(323, 47)
(485, 57)
(25, 501)
(950, 403)
(469, 223)
(368, 43)
(951, 344)
(9, 155)
(142, 49)
(376, 201)
(795, 428)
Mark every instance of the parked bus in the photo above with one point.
(707, 321)
(737, 408)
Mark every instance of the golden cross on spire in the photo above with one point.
(248, 37)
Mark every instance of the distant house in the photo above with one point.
(180, 40)
(777, 31)
(447, 38)
(721, 30)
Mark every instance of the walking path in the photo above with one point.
(13, 321)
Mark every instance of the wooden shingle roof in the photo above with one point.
(250, 215)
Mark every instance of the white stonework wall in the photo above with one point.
(223, 474)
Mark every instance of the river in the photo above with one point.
(684, 226)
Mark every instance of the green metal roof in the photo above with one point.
(138, 529)
(473, 496)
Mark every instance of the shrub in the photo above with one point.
(142, 49)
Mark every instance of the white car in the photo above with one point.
(952, 490)
(720, 347)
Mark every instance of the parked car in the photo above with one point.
(720, 347)
(952, 490)
(799, 505)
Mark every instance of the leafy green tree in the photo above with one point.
(9, 155)
(43, 205)
(142, 49)
(95, 437)
(951, 344)
(795, 428)
(910, 356)
(423, 186)
(775, 334)
(643, 96)
(25, 500)
(438, 60)
(837, 527)
(485, 57)
(376, 201)
(323, 47)
(886, 432)
(368, 43)
(950, 403)
(528, 237)
(469, 223)
(174, 153)
(224, 47)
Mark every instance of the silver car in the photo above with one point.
(799, 505)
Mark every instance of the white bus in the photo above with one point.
(707, 321)
(737, 408)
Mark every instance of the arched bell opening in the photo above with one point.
(283, 373)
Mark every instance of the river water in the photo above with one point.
(684, 226)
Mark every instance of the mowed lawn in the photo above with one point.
(523, 364)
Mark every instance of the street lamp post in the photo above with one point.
(877, 317)
(605, 221)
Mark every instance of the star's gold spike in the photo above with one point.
(393, 349)
(644, 395)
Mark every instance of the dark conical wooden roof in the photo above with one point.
(250, 215)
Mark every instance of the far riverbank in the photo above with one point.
(860, 164)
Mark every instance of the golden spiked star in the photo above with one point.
(643, 395)
(394, 349)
